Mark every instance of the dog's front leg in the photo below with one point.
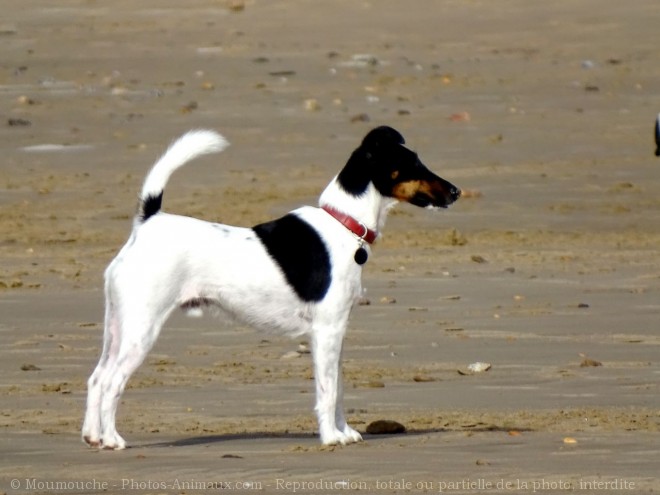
(327, 350)
(340, 417)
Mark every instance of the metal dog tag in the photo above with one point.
(361, 256)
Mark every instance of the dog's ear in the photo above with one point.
(382, 137)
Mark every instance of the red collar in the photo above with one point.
(355, 226)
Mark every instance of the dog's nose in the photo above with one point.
(455, 193)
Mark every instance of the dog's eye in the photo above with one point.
(395, 174)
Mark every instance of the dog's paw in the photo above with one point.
(336, 437)
(112, 442)
(352, 435)
(92, 441)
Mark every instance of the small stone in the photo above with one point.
(290, 355)
(361, 60)
(385, 427)
(369, 384)
(587, 362)
(423, 378)
(62, 388)
(460, 117)
(14, 122)
(360, 117)
(282, 73)
(474, 368)
(193, 105)
(479, 367)
(118, 91)
(312, 105)
(25, 100)
(236, 6)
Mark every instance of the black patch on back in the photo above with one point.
(301, 254)
(151, 205)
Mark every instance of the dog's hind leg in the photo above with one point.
(138, 336)
(131, 328)
(327, 346)
(91, 430)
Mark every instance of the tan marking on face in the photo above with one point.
(403, 191)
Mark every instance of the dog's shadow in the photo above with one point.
(225, 438)
(312, 437)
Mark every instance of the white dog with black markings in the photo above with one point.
(300, 274)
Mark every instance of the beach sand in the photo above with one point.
(547, 268)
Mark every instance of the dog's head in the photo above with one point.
(395, 171)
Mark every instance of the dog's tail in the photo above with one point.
(186, 148)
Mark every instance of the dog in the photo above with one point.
(299, 274)
(657, 135)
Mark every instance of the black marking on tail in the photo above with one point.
(150, 206)
(301, 254)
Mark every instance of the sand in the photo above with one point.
(547, 269)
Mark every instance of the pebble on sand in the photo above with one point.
(385, 427)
